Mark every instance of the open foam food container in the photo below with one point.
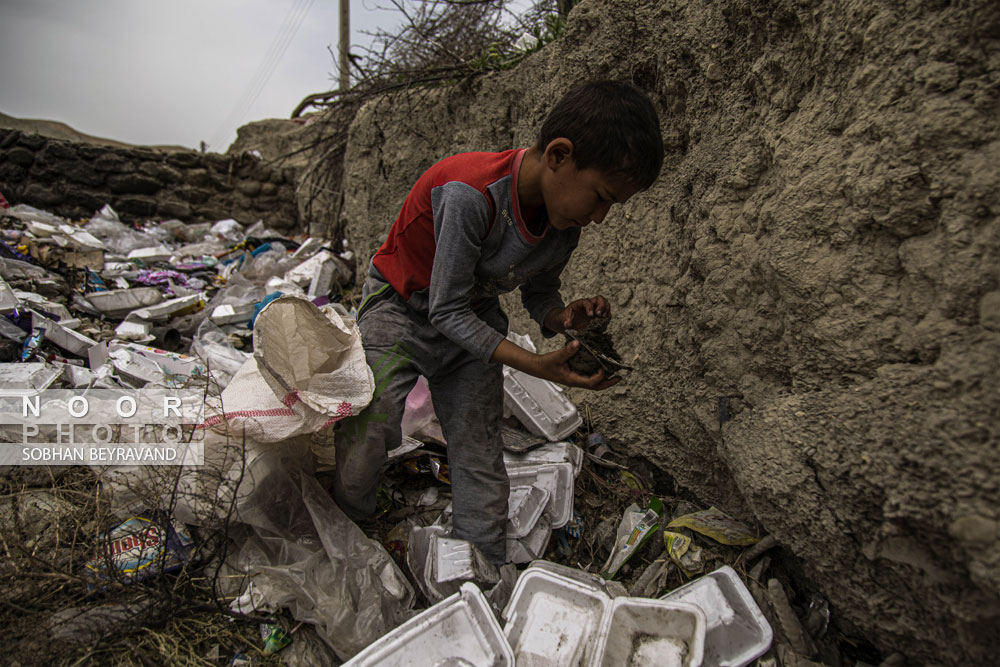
(551, 452)
(459, 630)
(558, 616)
(556, 478)
(736, 630)
(552, 619)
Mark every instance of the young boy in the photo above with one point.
(474, 226)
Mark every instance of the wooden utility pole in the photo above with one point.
(345, 45)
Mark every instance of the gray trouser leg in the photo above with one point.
(363, 440)
(468, 400)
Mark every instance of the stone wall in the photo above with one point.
(75, 180)
(809, 292)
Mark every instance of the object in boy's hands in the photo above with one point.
(597, 350)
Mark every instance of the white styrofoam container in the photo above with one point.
(639, 632)
(557, 478)
(533, 546)
(28, 379)
(451, 561)
(164, 310)
(611, 588)
(154, 254)
(550, 452)
(553, 620)
(737, 632)
(123, 301)
(539, 405)
(524, 507)
(8, 300)
(460, 630)
(134, 329)
(34, 300)
(67, 339)
(229, 313)
(418, 552)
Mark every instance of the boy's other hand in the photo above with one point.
(578, 315)
(554, 367)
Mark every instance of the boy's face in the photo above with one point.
(577, 197)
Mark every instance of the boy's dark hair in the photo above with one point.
(614, 128)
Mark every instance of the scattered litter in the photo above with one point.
(451, 561)
(557, 616)
(555, 452)
(685, 553)
(719, 526)
(460, 630)
(756, 551)
(120, 302)
(27, 379)
(275, 638)
(8, 300)
(140, 547)
(737, 631)
(67, 339)
(636, 526)
(538, 404)
(818, 616)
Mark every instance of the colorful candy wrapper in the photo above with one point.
(636, 527)
(685, 553)
(274, 638)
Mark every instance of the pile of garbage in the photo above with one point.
(111, 305)
(651, 580)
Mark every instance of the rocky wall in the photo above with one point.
(74, 180)
(810, 292)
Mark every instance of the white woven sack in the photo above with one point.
(307, 372)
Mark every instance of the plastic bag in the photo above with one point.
(307, 372)
(309, 557)
(419, 420)
(223, 360)
(228, 230)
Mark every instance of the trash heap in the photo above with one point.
(108, 304)
(643, 579)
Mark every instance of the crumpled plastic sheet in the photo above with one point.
(419, 420)
(212, 344)
(269, 264)
(308, 556)
(117, 237)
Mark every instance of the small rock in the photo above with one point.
(974, 528)
(989, 311)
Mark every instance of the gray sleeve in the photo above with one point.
(461, 222)
(540, 294)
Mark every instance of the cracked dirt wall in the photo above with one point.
(811, 289)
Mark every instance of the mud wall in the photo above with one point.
(75, 179)
(810, 290)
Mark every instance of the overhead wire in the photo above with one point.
(271, 57)
(269, 63)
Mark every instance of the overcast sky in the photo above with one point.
(167, 71)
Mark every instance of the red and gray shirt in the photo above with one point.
(460, 241)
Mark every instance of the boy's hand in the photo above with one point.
(577, 315)
(551, 366)
(554, 366)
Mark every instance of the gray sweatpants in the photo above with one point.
(400, 345)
